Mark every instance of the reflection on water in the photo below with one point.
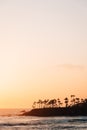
(43, 123)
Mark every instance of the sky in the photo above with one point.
(43, 50)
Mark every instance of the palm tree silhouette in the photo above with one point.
(77, 100)
(59, 102)
(40, 102)
(34, 105)
(45, 102)
(66, 101)
(72, 100)
(52, 103)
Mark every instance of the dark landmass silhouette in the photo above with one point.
(75, 109)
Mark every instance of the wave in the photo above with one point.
(78, 120)
(16, 124)
(57, 123)
(46, 126)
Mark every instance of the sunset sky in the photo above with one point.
(43, 50)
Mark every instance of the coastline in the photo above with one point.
(47, 112)
(76, 109)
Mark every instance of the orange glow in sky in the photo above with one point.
(43, 50)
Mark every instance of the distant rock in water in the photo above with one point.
(76, 110)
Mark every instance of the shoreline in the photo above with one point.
(50, 112)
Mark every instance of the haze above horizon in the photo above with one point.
(43, 50)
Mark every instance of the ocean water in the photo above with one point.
(42, 123)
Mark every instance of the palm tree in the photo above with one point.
(59, 102)
(39, 103)
(72, 99)
(34, 105)
(52, 103)
(77, 100)
(66, 101)
(82, 100)
(45, 102)
(86, 100)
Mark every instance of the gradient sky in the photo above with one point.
(43, 50)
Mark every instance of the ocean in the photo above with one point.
(42, 123)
